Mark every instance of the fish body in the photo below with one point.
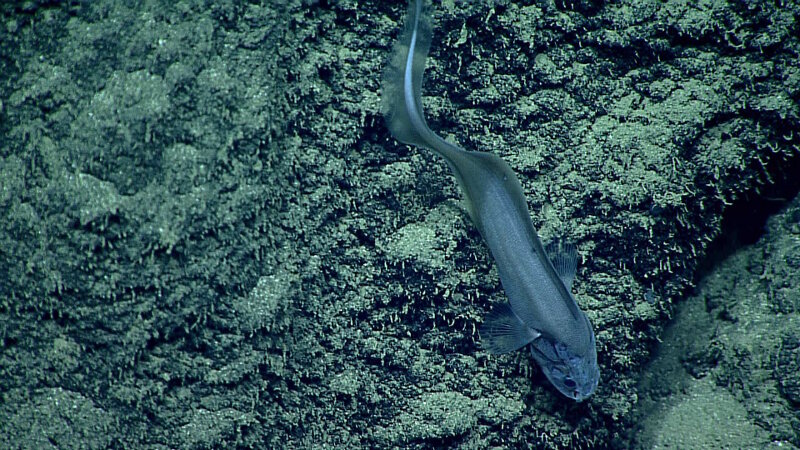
(541, 311)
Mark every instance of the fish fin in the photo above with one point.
(405, 119)
(503, 331)
(564, 257)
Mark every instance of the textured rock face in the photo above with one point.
(787, 369)
(735, 349)
(209, 240)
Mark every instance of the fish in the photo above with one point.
(541, 310)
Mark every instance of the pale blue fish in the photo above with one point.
(541, 311)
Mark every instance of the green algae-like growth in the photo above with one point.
(208, 238)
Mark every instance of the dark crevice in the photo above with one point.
(743, 222)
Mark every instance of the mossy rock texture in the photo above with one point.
(208, 238)
(726, 373)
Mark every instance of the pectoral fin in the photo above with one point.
(564, 257)
(502, 331)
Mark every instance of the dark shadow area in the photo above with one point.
(743, 222)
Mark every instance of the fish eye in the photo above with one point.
(569, 383)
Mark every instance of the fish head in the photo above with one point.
(575, 375)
